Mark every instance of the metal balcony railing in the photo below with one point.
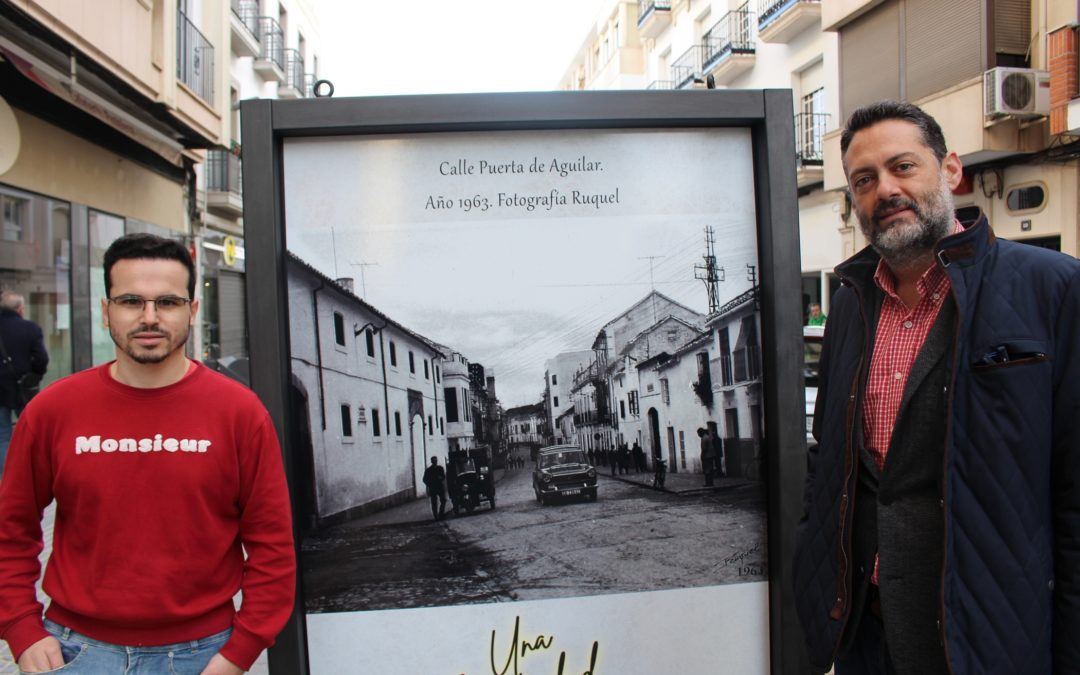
(194, 59)
(294, 71)
(809, 130)
(645, 7)
(687, 68)
(732, 34)
(770, 10)
(661, 85)
(223, 172)
(272, 41)
(248, 13)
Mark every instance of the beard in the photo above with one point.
(903, 245)
(158, 354)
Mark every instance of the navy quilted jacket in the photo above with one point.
(1010, 598)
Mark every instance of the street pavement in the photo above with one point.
(8, 667)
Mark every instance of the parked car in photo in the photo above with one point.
(812, 339)
(563, 471)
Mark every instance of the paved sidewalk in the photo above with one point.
(683, 482)
(8, 667)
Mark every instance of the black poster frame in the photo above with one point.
(767, 114)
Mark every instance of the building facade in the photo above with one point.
(738, 44)
(372, 395)
(112, 121)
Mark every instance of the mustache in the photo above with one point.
(885, 207)
(146, 330)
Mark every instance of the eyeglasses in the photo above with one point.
(163, 304)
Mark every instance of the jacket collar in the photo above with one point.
(963, 248)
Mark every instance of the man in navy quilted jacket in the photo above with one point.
(941, 527)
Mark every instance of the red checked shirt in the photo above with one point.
(901, 332)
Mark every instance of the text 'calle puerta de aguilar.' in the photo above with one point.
(542, 200)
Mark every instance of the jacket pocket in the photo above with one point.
(1010, 354)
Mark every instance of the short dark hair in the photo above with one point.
(144, 246)
(869, 115)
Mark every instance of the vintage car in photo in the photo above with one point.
(563, 471)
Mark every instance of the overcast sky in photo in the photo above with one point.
(510, 287)
(375, 48)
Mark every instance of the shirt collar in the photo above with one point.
(930, 280)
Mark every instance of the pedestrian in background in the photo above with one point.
(22, 352)
(435, 483)
(170, 498)
(708, 455)
(941, 526)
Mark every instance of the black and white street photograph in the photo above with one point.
(533, 374)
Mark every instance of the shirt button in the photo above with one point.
(908, 324)
(897, 375)
(936, 296)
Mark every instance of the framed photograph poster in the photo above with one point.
(534, 360)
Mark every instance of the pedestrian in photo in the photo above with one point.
(435, 483)
(718, 451)
(816, 318)
(22, 358)
(942, 506)
(170, 498)
(708, 456)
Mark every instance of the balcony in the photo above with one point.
(779, 21)
(293, 85)
(810, 131)
(224, 192)
(661, 85)
(729, 46)
(654, 16)
(194, 59)
(270, 63)
(244, 26)
(686, 70)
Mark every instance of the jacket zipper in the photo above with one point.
(945, 473)
(847, 497)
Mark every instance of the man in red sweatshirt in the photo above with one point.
(165, 474)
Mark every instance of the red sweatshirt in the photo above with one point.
(156, 490)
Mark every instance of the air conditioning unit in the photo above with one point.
(1016, 92)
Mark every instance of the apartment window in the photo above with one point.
(632, 402)
(442, 431)
(346, 421)
(466, 403)
(556, 401)
(369, 339)
(426, 376)
(622, 410)
(339, 328)
(430, 427)
(397, 423)
(554, 380)
(450, 396)
(438, 378)
(665, 391)
(375, 427)
(725, 357)
(393, 353)
(412, 363)
(704, 374)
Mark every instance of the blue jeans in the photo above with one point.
(5, 433)
(87, 656)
